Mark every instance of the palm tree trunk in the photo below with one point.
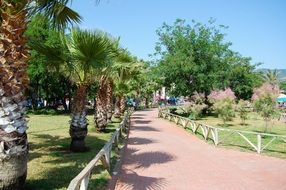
(122, 105)
(109, 103)
(117, 108)
(100, 115)
(13, 85)
(78, 123)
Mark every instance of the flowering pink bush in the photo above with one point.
(217, 95)
(264, 99)
(265, 90)
(223, 103)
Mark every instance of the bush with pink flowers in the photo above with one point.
(264, 99)
(223, 103)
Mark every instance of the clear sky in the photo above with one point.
(257, 28)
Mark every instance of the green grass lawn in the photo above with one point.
(256, 124)
(51, 165)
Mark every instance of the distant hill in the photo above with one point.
(281, 73)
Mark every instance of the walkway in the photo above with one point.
(160, 155)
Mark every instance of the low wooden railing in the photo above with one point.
(212, 133)
(80, 182)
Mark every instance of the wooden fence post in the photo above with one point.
(216, 136)
(258, 143)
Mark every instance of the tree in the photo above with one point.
(283, 85)
(271, 77)
(196, 58)
(264, 99)
(104, 97)
(192, 58)
(243, 110)
(243, 77)
(14, 81)
(100, 115)
(90, 51)
(46, 81)
(122, 72)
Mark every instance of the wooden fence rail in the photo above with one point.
(80, 182)
(212, 133)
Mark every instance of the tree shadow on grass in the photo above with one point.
(61, 166)
(60, 177)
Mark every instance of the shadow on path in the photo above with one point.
(145, 182)
(146, 159)
(145, 128)
(140, 141)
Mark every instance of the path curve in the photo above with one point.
(160, 155)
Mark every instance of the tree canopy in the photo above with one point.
(197, 58)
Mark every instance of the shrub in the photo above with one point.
(243, 110)
(264, 99)
(223, 103)
(197, 105)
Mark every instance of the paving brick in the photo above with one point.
(160, 155)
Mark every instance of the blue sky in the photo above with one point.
(257, 28)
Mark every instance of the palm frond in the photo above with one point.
(58, 11)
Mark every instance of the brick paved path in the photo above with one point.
(160, 155)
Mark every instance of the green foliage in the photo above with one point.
(243, 110)
(243, 78)
(283, 85)
(197, 105)
(224, 109)
(196, 58)
(45, 79)
(265, 107)
(271, 77)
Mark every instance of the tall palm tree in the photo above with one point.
(87, 55)
(121, 70)
(104, 97)
(109, 99)
(100, 115)
(14, 81)
(126, 69)
(90, 51)
(271, 76)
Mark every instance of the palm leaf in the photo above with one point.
(58, 11)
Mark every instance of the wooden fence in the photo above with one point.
(213, 133)
(80, 182)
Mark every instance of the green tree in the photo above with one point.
(46, 81)
(122, 72)
(243, 110)
(283, 85)
(243, 77)
(192, 58)
(196, 58)
(271, 77)
(14, 81)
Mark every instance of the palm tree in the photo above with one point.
(104, 96)
(271, 77)
(14, 81)
(100, 115)
(121, 70)
(126, 69)
(109, 99)
(89, 51)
